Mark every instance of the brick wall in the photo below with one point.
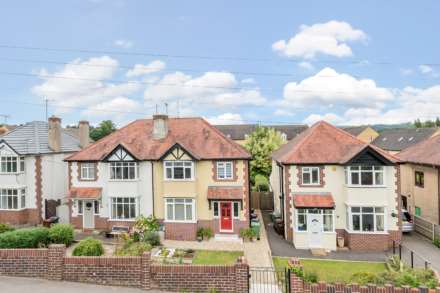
(369, 242)
(297, 285)
(26, 216)
(181, 231)
(24, 262)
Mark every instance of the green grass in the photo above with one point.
(215, 257)
(333, 271)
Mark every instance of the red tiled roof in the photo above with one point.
(196, 135)
(313, 200)
(324, 143)
(425, 152)
(85, 192)
(225, 192)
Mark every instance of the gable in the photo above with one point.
(177, 153)
(369, 157)
(6, 150)
(119, 154)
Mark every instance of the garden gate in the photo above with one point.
(269, 280)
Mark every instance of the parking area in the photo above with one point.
(423, 248)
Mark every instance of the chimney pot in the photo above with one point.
(84, 129)
(160, 126)
(55, 133)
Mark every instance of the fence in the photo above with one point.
(409, 257)
(268, 280)
(426, 228)
(262, 201)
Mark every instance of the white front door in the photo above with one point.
(315, 230)
(88, 215)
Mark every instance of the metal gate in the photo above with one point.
(269, 280)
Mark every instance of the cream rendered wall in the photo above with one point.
(275, 186)
(54, 176)
(141, 188)
(196, 189)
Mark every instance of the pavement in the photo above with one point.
(20, 285)
(258, 253)
(423, 249)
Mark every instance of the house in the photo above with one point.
(328, 184)
(6, 128)
(365, 133)
(420, 179)
(239, 132)
(398, 139)
(183, 171)
(33, 175)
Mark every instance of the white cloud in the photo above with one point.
(406, 71)
(425, 69)
(328, 38)
(329, 88)
(82, 84)
(226, 118)
(248, 81)
(306, 65)
(142, 69)
(126, 44)
(329, 117)
(282, 112)
(116, 106)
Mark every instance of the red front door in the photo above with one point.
(226, 216)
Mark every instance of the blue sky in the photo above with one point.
(348, 62)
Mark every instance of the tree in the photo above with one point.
(418, 124)
(437, 122)
(105, 128)
(261, 143)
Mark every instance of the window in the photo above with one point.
(367, 219)
(365, 175)
(96, 204)
(215, 207)
(225, 170)
(12, 199)
(22, 164)
(180, 209)
(301, 221)
(236, 213)
(80, 206)
(123, 170)
(327, 219)
(8, 164)
(327, 216)
(418, 211)
(87, 171)
(179, 170)
(310, 175)
(123, 208)
(419, 178)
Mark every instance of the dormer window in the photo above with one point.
(122, 165)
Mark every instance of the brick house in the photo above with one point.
(328, 183)
(33, 175)
(183, 171)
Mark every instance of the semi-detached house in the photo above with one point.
(183, 171)
(328, 184)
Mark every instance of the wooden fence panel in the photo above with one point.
(262, 201)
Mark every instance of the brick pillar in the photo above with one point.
(55, 261)
(146, 271)
(241, 276)
(296, 283)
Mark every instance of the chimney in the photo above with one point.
(160, 126)
(55, 133)
(83, 128)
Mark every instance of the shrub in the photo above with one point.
(364, 278)
(261, 183)
(436, 242)
(200, 232)
(247, 233)
(88, 247)
(5, 228)
(152, 238)
(61, 234)
(311, 277)
(207, 233)
(146, 224)
(132, 248)
(25, 238)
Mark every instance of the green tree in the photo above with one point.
(418, 124)
(429, 123)
(261, 143)
(437, 122)
(104, 128)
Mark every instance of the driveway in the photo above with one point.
(423, 248)
(281, 247)
(20, 285)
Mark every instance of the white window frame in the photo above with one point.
(86, 170)
(223, 165)
(172, 201)
(136, 208)
(121, 164)
(360, 213)
(79, 207)
(375, 169)
(310, 170)
(13, 160)
(22, 164)
(236, 209)
(171, 165)
(321, 213)
(18, 193)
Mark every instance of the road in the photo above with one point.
(20, 285)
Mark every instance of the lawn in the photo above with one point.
(333, 271)
(213, 257)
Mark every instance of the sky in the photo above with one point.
(231, 62)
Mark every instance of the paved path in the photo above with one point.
(258, 253)
(423, 248)
(281, 247)
(20, 285)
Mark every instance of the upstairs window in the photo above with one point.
(179, 170)
(365, 175)
(123, 171)
(225, 171)
(87, 171)
(310, 175)
(419, 179)
(22, 164)
(8, 164)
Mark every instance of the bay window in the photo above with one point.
(364, 175)
(87, 171)
(12, 199)
(123, 208)
(225, 170)
(367, 219)
(310, 175)
(180, 209)
(123, 170)
(179, 170)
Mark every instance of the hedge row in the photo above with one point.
(37, 237)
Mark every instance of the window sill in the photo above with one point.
(181, 222)
(307, 232)
(121, 180)
(121, 220)
(83, 179)
(365, 186)
(179, 180)
(13, 210)
(367, 233)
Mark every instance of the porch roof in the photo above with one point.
(85, 192)
(313, 200)
(225, 192)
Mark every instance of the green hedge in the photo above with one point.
(5, 228)
(25, 238)
(88, 247)
(61, 234)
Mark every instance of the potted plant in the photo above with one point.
(200, 234)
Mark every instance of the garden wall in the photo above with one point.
(52, 263)
(297, 285)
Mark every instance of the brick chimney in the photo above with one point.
(160, 126)
(83, 128)
(55, 133)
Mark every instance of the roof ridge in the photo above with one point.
(344, 132)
